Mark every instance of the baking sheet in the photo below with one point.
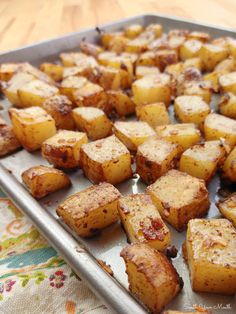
(108, 244)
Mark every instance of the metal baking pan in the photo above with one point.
(81, 254)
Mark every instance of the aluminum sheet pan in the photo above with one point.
(82, 254)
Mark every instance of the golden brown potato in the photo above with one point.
(210, 250)
(106, 37)
(11, 90)
(105, 56)
(201, 36)
(193, 63)
(146, 59)
(71, 84)
(93, 121)
(8, 141)
(7, 70)
(108, 78)
(63, 149)
(164, 58)
(40, 75)
(90, 210)
(191, 109)
(202, 160)
(155, 157)
(154, 114)
(179, 197)
(70, 59)
(90, 49)
(132, 133)
(217, 126)
(185, 134)
(175, 42)
(125, 66)
(133, 30)
(211, 55)
(121, 102)
(175, 69)
(152, 277)
(156, 28)
(198, 88)
(227, 207)
(118, 44)
(55, 71)
(142, 71)
(91, 95)
(190, 49)
(228, 82)
(137, 45)
(32, 126)
(35, 92)
(231, 44)
(227, 105)
(60, 108)
(43, 180)
(142, 221)
(106, 160)
(152, 88)
(229, 167)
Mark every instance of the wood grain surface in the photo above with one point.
(27, 21)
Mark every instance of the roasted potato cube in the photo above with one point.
(175, 69)
(43, 180)
(137, 45)
(213, 78)
(132, 133)
(154, 114)
(179, 197)
(165, 58)
(155, 157)
(8, 141)
(210, 250)
(142, 71)
(201, 160)
(106, 160)
(198, 88)
(152, 88)
(175, 42)
(190, 49)
(185, 134)
(157, 29)
(93, 121)
(32, 126)
(55, 71)
(105, 56)
(229, 167)
(217, 126)
(63, 149)
(211, 55)
(84, 67)
(7, 70)
(125, 66)
(69, 59)
(40, 75)
(193, 63)
(203, 37)
(231, 44)
(90, 49)
(130, 55)
(18, 80)
(227, 208)
(227, 105)
(71, 84)
(147, 58)
(152, 277)
(226, 66)
(121, 102)
(90, 210)
(109, 78)
(228, 82)
(142, 221)
(60, 108)
(35, 92)
(118, 44)
(106, 37)
(91, 95)
(192, 109)
(133, 30)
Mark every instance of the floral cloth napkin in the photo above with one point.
(33, 278)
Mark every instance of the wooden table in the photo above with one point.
(27, 21)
